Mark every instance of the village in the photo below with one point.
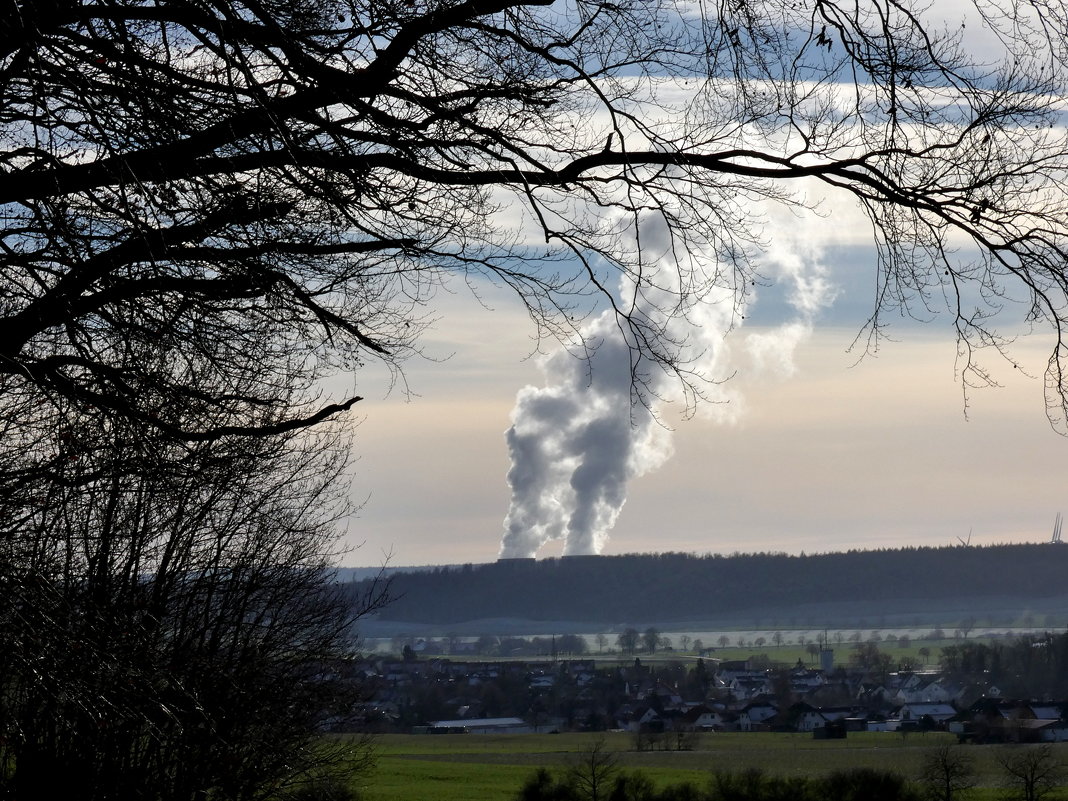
(665, 703)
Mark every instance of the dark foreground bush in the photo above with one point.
(866, 784)
(325, 788)
(541, 785)
(858, 784)
(755, 785)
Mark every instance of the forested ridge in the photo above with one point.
(681, 586)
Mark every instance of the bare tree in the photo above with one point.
(947, 774)
(295, 179)
(592, 771)
(1031, 772)
(173, 628)
(627, 640)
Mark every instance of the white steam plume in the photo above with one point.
(576, 442)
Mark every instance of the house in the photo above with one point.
(876, 723)
(756, 716)
(803, 679)
(1022, 730)
(1047, 711)
(640, 718)
(702, 718)
(1055, 731)
(808, 718)
(925, 689)
(999, 720)
(744, 688)
(482, 726)
(542, 682)
(936, 713)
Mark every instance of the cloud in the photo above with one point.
(596, 424)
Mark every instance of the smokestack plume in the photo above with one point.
(576, 442)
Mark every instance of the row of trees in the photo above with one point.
(630, 640)
(1029, 666)
(680, 587)
(947, 773)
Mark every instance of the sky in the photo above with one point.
(816, 446)
(846, 452)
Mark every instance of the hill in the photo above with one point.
(909, 586)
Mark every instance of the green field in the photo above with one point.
(466, 767)
(786, 654)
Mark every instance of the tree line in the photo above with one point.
(678, 586)
(1030, 666)
(946, 773)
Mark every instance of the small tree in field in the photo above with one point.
(1031, 773)
(593, 771)
(947, 774)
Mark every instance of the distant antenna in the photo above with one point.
(1058, 521)
(965, 543)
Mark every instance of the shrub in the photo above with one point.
(866, 784)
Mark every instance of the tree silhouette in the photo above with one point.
(627, 640)
(294, 179)
(174, 629)
(1031, 772)
(947, 774)
(207, 210)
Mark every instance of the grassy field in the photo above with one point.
(787, 654)
(467, 767)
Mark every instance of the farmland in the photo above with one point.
(492, 767)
